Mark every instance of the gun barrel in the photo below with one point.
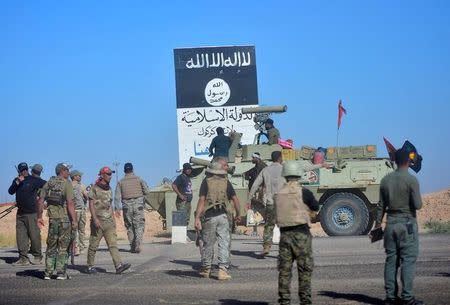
(198, 161)
(264, 109)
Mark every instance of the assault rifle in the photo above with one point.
(7, 211)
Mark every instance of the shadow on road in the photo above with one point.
(194, 265)
(183, 273)
(251, 254)
(9, 259)
(83, 269)
(360, 298)
(237, 302)
(31, 273)
(445, 274)
(107, 250)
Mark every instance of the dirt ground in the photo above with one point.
(436, 207)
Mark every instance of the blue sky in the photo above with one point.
(90, 82)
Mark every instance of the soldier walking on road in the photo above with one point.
(271, 177)
(26, 187)
(102, 222)
(400, 199)
(212, 220)
(58, 193)
(293, 207)
(81, 198)
(130, 192)
(182, 186)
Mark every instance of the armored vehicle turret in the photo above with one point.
(348, 191)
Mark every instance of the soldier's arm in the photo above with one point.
(258, 181)
(211, 147)
(415, 194)
(14, 186)
(381, 207)
(310, 200)
(71, 205)
(118, 198)
(144, 186)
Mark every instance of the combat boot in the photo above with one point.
(37, 260)
(205, 272)
(223, 275)
(23, 261)
(137, 248)
(62, 276)
(266, 250)
(122, 267)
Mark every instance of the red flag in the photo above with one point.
(341, 112)
(390, 148)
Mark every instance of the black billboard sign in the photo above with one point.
(215, 76)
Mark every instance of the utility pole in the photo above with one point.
(116, 164)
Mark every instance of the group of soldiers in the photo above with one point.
(66, 202)
(287, 205)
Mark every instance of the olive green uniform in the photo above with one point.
(102, 200)
(400, 198)
(80, 212)
(56, 192)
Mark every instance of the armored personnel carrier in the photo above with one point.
(348, 192)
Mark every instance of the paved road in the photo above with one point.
(348, 271)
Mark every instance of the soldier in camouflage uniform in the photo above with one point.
(81, 197)
(102, 222)
(58, 193)
(212, 220)
(130, 192)
(272, 180)
(293, 207)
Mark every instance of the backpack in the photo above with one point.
(55, 191)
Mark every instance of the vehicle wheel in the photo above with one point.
(369, 223)
(344, 214)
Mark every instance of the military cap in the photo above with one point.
(61, 166)
(215, 168)
(106, 170)
(37, 168)
(75, 173)
(22, 166)
(128, 167)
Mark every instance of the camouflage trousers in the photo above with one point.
(184, 206)
(134, 219)
(402, 249)
(58, 242)
(108, 231)
(269, 225)
(80, 243)
(296, 246)
(215, 229)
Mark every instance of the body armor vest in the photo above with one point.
(131, 187)
(217, 191)
(55, 191)
(290, 208)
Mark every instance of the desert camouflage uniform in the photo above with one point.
(59, 230)
(102, 205)
(133, 208)
(80, 210)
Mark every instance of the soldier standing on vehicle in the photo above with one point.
(183, 187)
(25, 187)
(252, 173)
(81, 198)
(58, 192)
(102, 222)
(400, 199)
(212, 220)
(130, 192)
(293, 207)
(220, 144)
(272, 133)
(271, 177)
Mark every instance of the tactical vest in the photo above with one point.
(55, 190)
(131, 187)
(290, 208)
(217, 191)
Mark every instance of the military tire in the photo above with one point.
(344, 214)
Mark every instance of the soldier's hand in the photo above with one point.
(117, 214)
(97, 223)
(183, 198)
(74, 225)
(41, 223)
(237, 219)
(248, 206)
(198, 224)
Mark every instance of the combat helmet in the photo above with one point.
(292, 168)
